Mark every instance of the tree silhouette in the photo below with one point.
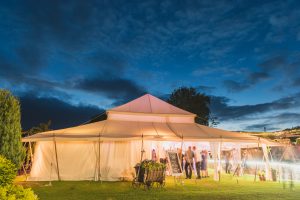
(189, 99)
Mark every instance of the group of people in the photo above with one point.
(194, 158)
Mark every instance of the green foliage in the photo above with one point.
(10, 128)
(13, 192)
(293, 128)
(8, 191)
(151, 165)
(190, 100)
(7, 171)
(42, 127)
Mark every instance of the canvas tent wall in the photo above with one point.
(109, 149)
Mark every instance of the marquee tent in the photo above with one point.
(109, 149)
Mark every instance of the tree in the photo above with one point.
(10, 128)
(213, 121)
(42, 127)
(189, 99)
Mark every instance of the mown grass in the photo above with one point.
(229, 188)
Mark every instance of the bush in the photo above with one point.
(10, 128)
(7, 171)
(12, 192)
(8, 191)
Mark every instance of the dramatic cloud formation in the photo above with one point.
(116, 88)
(104, 53)
(39, 110)
(264, 112)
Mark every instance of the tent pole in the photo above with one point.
(55, 148)
(220, 164)
(142, 149)
(25, 173)
(24, 170)
(31, 154)
(256, 163)
(96, 162)
(99, 160)
(181, 148)
(99, 152)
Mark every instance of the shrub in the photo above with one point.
(12, 192)
(7, 171)
(8, 191)
(10, 128)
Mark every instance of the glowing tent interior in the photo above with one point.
(109, 149)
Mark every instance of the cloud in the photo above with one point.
(279, 21)
(235, 86)
(106, 62)
(273, 62)
(205, 88)
(36, 110)
(258, 77)
(275, 115)
(251, 79)
(284, 66)
(275, 122)
(220, 107)
(287, 116)
(296, 82)
(278, 66)
(115, 88)
(52, 46)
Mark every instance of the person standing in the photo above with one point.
(189, 155)
(197, 159)
(179, 152)
(204, 171)
(153, 156)
(227, 171)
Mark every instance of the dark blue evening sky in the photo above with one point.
(69, 60)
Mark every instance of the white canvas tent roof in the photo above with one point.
(151, 105)
(146, 116)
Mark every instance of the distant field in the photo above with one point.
(203, 189)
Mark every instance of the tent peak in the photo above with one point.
(150, 104)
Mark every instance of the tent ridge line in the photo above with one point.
(156, 114)
(150, 103)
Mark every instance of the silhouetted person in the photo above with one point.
(189, 155)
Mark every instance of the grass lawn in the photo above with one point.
(228, 188)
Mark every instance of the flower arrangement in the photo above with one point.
(151, 165)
